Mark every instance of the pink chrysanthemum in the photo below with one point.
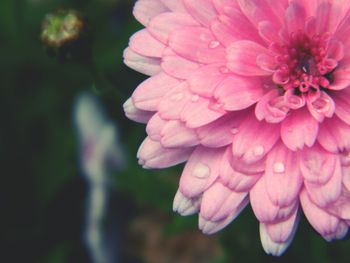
(254, 95)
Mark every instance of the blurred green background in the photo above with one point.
(42, 196)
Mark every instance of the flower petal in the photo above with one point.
(197, 44)
(283, 178)
(237, 93)
(199, 112)
(200, 171)
(271, 247)
(176, 134)
(145, 10)
(323, 222)
(152, 154)
(202, 10)
(324, 194)
(178, 67)
(233, 179)
(185, 206)
(204, 80)
(221, 131)
(219, 202)
(135, 114)
(149, 93)
(242, 56)
(262, 206)
(298, 129)
(163, 25)
(143, 43)
(334, 135)
(145, 65)
(254, 139)
(317, 165)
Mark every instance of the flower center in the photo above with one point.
(303, 64)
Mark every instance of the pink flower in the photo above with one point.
(253, 95)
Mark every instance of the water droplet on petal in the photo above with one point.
(177, 96)
(279, 167)
(195, 98)
(259, 150)
(201, 171)
(234, 130)
(214, 44)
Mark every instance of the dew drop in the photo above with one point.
(259, 150)
(279, 167)
(201, 171)
(177, 96)
(195, 98)
(234, 130)
(214, 44)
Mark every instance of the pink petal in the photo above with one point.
(210, 227)
(179, 67)
(152, 154)
(340, 233)
(271, 107)
(176, 134)
(233, 179)
(135, 114)
(221, 131)
(204, 80)
(197, 44)
(334, 135)
(342, 109)
(199, 112)
(202, 10)
(323, 222)
(335, 50)
(227, 28)
(242, 56)
(281, 232)
(295, 18)
(176, 6)
(324, 194)
(259, 10)
(237, 93)
(155, 126)
(240, 165)
(146, 65)
(341, 207)
(222, 5)
(146, 45)
(263, 208)
(163, 25)
(283, 178)
(149, 93)
(321, 107)
(341, 78)
(185, 206)
(268, 32)
(299, 128)
(200, 171)
(219, 202)
(254, 139)
(145, 10)
(271, 247)
(317, 165)
(172, 103)
(346, 176)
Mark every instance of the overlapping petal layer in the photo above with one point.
(253, 95)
